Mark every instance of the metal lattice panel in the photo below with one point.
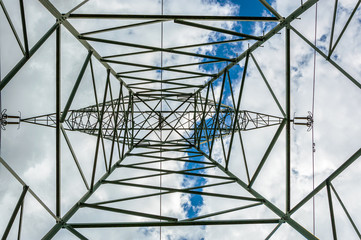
(168, 124)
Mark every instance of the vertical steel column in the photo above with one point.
(203, 121)
(58, 109)
(115, 131)
(75, 88)
(217, 113)
(237, 110)
(125, 124)
(25, 34)
(20, 220)
(288, 121)
(100, 130)
(330, 205)
(195, 119)
(132, 106)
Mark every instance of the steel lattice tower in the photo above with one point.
(155, 124)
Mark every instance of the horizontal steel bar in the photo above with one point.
(121, 27)
(157, 68)
(170, 83)
(128, 54)
(168, 224)
(192, 64)
(134, 213)
(222, 212)
(172, 17)
(128, 44)
(177, 47)
(209, 43)
(160, 193)
(176, 172)
(185, 191)
(179, 160)
(163, 80)
(197, 25)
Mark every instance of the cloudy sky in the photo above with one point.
(30, 150)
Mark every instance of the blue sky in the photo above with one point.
(246, 8)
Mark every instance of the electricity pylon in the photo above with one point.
(188, 126)
(201, 124)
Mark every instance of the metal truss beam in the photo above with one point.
(169, 224)
(172, 17)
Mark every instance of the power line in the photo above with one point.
(313, 128)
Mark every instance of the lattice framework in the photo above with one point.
(178, 117)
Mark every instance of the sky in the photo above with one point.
(30, 150)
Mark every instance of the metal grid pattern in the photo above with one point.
(164, 122)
